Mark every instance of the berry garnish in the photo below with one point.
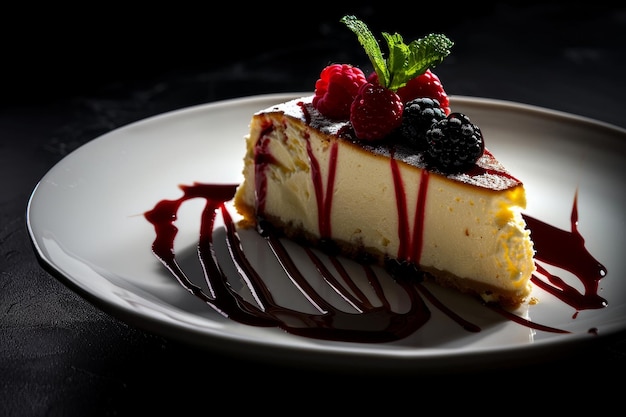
(454, 144)
(336, 89)
(376, 112)
(419, 115)
(426, 85)
(404, 63)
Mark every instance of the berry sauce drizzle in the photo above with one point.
(367, 323)
(567, 250)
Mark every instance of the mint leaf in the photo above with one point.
(370, 44)
(405, 62)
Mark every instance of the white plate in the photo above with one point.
(85, 218)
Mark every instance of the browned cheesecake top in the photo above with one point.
(487, 172)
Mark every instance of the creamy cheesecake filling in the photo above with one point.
(459, 229)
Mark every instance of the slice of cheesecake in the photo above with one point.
(311, 179)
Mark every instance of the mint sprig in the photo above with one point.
(405, 62)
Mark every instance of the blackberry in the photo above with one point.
(418, 116)
(454, 144)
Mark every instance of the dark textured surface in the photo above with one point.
(78, 79)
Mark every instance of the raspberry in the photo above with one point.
(418, 116)
(375, 112)
(336, 88)
(454, 143)
(426, 85)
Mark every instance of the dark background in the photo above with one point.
(536, 52)
(68, 76)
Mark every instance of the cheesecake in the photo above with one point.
(381, 169)
(309, 178)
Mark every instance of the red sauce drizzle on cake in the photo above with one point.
(262, 157)
(410, 248)
(478, 170)
(324, 199)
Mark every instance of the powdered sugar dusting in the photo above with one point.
(488, 172)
